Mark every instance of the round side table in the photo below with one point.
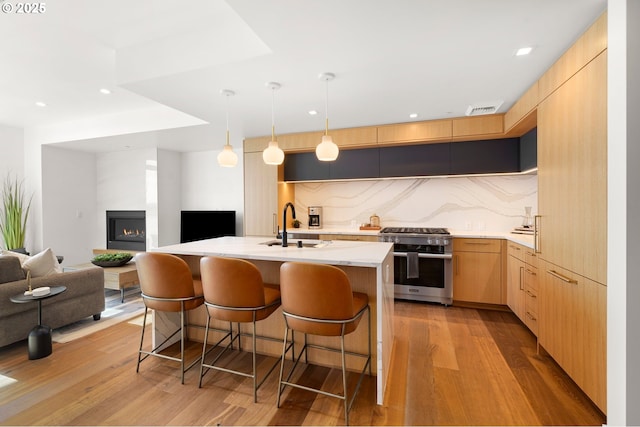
(39, 340)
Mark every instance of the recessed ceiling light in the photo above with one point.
(312, 112)
(105, 91)
(524, 51)
(413, 115)
(41, 104)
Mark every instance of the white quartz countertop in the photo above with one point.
(338, 252)
(522, 239)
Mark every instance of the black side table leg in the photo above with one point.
(39, 342)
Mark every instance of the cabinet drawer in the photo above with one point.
(516, 250)
(477, 245)
(530, 257)
(531, 320)
(531, 277)
(531, 301)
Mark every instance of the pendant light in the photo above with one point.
(273, 155)
(227, 158)
(327, 150)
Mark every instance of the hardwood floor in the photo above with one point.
(451, 366)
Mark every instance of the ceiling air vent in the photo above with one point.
(481, 109)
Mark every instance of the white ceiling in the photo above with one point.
(166, 62)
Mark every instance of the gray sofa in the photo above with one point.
(84, 297)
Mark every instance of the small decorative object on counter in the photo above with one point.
(374, 220)
(295, 223)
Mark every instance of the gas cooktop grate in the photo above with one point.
(414, 230)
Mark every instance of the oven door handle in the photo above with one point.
(421, 255)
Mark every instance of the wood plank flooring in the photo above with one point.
(451, 366)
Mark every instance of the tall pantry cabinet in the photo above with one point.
(572, 223)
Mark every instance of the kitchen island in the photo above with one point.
(369, 266)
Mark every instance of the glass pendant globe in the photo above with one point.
(227, 158)
(273, 155)
(327, 150)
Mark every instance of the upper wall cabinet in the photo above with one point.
(479, 127)
(431, 131)
(350, 164)
(490, 156)
(449, 158)
(415, 160)
(521, 116)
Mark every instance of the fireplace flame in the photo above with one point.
(132, 232)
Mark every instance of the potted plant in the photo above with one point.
(296, 223)
(15, 211)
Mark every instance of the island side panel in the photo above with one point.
(385, 323)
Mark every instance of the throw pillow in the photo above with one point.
(21, 257)
(44, 263)
(10, 270)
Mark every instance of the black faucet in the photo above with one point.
(284, 222)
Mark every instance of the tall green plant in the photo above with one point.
(13, 218)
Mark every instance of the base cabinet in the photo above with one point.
(477, 271)
(522, 284)
(573, 327)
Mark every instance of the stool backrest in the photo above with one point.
(164, 276)
(315, 291)
(231, 282)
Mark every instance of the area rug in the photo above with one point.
(115, 312)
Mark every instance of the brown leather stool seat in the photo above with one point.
(317, 299)
(234, 292)
(166, 284)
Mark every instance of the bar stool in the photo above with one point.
(166, 284)
(317, 299)
(234, 292)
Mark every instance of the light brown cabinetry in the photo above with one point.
(572, 173)
(522, 284)
(477, 270)
(573, 327)
(481, 127)
(429, 131)
(587, 47)
(260, 196)
(521, 116)
(515, 279)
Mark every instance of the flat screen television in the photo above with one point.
(199, 225)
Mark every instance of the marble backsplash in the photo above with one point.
(494, 203)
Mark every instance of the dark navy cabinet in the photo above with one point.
(489, 156)
(415, 160)
(449, 158)
(305, 167)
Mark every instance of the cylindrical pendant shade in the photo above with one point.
(327, 150)
(273, 155)
(227, 158)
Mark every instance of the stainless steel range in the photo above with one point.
(422, 263)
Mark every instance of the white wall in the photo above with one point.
(169, 184)
(11, 152)
(207, 186)
(68, 203)
(623, 270)
(492, 203)
(123, 184)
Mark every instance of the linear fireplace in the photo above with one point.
(126, 230)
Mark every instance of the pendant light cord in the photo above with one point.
(326, 108)
(273, 126)
(227, 105)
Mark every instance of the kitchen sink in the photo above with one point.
(297, 243)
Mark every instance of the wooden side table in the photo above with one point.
(39, 340)
(118, 278)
